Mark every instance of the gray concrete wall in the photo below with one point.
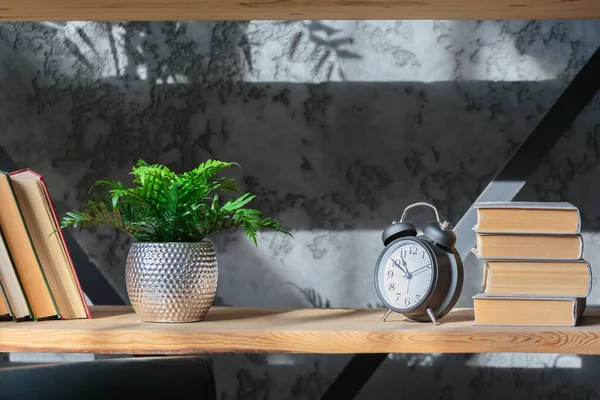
(337, 126)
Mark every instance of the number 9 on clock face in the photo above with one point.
(405, 275)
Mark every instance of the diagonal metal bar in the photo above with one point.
(354, 376)
(94, 284)
(504, 187)
(512, 177)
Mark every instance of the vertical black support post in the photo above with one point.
(504, 187)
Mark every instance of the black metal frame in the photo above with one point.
(504, 187)
(354, 376)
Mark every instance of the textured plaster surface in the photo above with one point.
(337, 126)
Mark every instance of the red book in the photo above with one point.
(41, 220)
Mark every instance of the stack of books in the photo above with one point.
(534, 274)
(37, 277)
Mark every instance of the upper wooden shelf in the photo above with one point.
(273, 330)
(181, 10)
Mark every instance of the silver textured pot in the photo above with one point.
(171, 282)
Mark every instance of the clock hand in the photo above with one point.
(408, 287)
(409, 274)
(399, 266)
(420, 269)
(404, 264)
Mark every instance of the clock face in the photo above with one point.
(405, 276)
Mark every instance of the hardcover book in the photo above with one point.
(537, 278)
(23, 253)
(529, 247)
(42, 223)
(524, 311)
(5, 311)
(11, 285)
(527, 217)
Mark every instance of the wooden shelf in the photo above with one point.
(163, 10)
(273, 330)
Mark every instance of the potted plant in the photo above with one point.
(171, 270)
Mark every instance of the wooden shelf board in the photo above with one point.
(175, 10)
(272, 330)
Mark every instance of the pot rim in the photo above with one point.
(161, 243)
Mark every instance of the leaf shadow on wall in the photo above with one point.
(340, 157)
(348, 156)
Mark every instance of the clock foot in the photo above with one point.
(432, 317)
(387, 313)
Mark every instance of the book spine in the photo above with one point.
(591, 279)
(64, 243)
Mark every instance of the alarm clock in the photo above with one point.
(421, 276)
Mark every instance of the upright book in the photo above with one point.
(11, 285)
(526, 217)
(23, 253)
(5, 310)
(36, 205)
